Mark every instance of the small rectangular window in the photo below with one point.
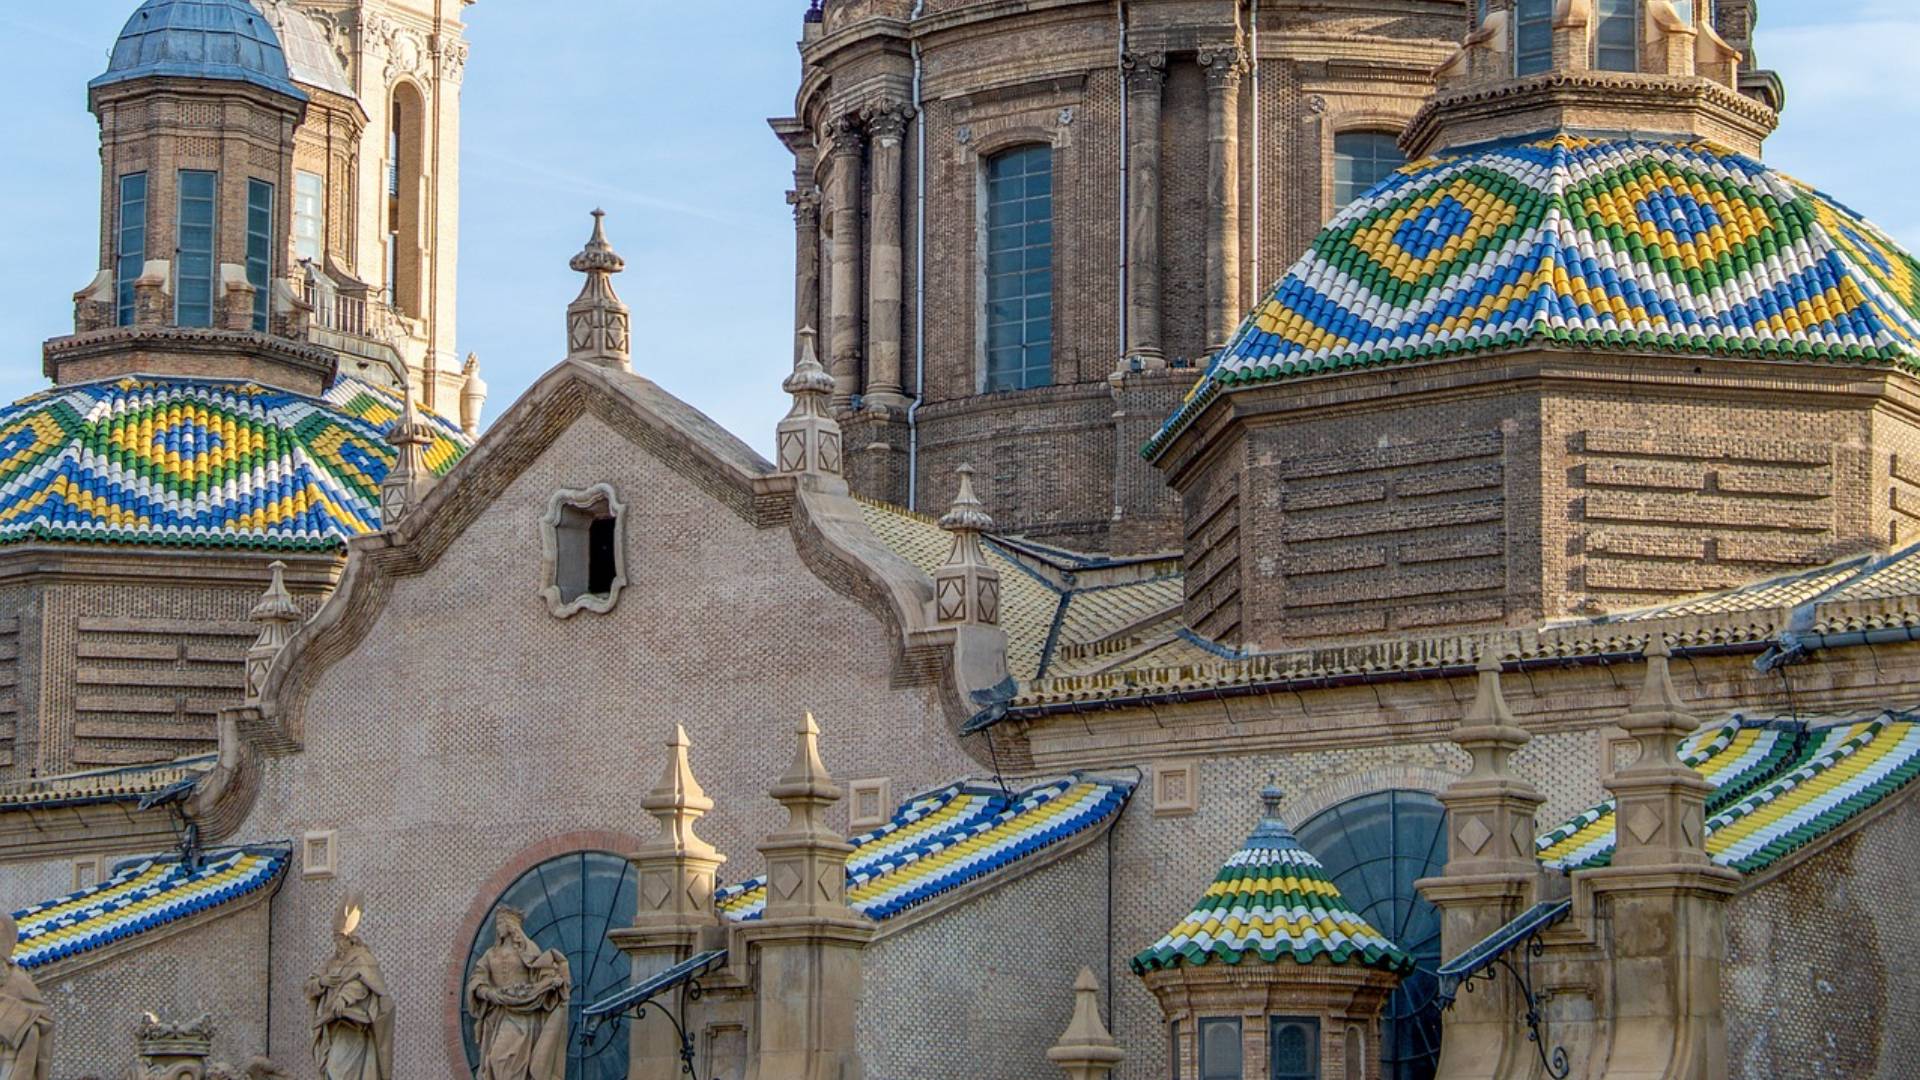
(1293, 1048)
(1616, 35)
(1019, 272)
(260, 249)
(194, 234)
(130, 256)
(1533, 36)
(1362, 159)
(309, 215)
(1220, 1049)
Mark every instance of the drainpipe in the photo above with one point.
(1253, 59)
(1120, 65)
(919, 265)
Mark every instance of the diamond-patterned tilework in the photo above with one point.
(941, 841)
(1574, 242)
(140, 897)
(1778, 786)
(1272, 902)
(201, 463)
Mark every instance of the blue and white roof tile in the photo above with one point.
(140, 897)
(949, 838)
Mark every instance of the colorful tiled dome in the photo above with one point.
(208, 463)
(200, 39)
(1273, 902)
(1627, 244)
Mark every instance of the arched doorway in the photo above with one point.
(570, 903)
(1375, 847)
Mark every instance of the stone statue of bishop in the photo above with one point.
(352, 1012)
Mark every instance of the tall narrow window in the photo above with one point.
(1020, 269)
(1362, 159)
(1219, 1049)
(130, 256)
(1616, 35)
(1533, 36)
(1686, 8)
(1293, 1048)
(260, 249)
(309, 215)
(193, 276)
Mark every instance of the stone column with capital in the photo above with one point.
(1491, 876)
(1146, 75)
(807, 947)
(848, 145)
(805, 201)
(1663, 900)
(1224, 66)
(887, 137)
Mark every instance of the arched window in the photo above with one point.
(1019, 271)
(1616, 35)
(1532, 36)
(1375, 847)
(1362, 159)
(407, 203)
(570, 903)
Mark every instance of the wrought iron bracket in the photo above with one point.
(690, 992)
(1483, 962)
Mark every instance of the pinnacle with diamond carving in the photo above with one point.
(968, 513)
(598, 324)
(598, 256)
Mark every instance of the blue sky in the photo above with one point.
(657, 112)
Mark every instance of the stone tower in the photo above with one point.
(226, 410)
(1589, 355)
(1022, 233)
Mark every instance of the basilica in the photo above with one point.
(1352, 539)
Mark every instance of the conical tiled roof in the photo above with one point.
(1592, 244)
(1272, 902)
(201, 462)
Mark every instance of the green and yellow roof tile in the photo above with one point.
(201, 462)
(1617, 243)
(1273, 902)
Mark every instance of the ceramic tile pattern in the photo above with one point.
(200, 463)
(1618, 244)
(947, 839)
(1273, 901)
(141, 897)
(1778, 786)
(104, 785)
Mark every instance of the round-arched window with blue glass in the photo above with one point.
(1375, 847)
(570, 903)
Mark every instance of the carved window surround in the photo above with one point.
(567, 541)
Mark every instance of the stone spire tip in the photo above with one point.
(1270, 798)
(1657, 694)
(968, 513)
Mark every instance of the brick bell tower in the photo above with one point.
(1021, 234)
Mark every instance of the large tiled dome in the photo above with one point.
(200, 39)
(1595, 244)
(201, 462)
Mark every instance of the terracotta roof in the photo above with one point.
(1779, 785)
(140, 897)
(201, 463)
(122, 784)
(1273, 902)
(952, 837)
(1614, 244)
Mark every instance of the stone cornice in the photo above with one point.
(188, 567)
(1544, 102)
(310, 361)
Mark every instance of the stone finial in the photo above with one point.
(676, 871)
(1660, 801)
(599, 326)
(807, 442)
(806, 860)
(409, 481)
(1491, 809)
(277, 614)
(966, 588)
(473, 396)
(1086, 1050)
(1271, 796)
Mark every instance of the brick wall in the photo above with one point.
(470, 725)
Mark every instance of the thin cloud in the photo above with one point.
(553, 179)
(50, 33)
